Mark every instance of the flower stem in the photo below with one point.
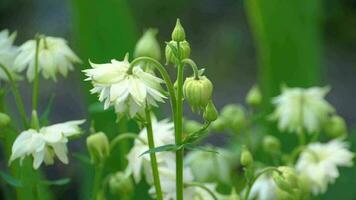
(193, 66)
(36, 81)
(97, 180)
(18, 99)
(124, 136)
(153, 158)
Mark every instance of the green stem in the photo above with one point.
(153, 158)
(36, 81)
(124, 136)
(18, 99)
(97, 180)
(192, 64)
(195, 184)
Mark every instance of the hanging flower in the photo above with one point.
(46, 143)
(299, 108)
(54, 57)
(8, 53)
(319, 163)
(264, 189)
(128, 91)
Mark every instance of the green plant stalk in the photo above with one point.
(18, 100)
(36, 81)
(178, 129)
(153, 158)
(124, 136)
(99, 168)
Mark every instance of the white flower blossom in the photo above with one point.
(264, 189)
(128, 92)
(54, 57)
(319, 163)
(299, 108)
(8, 53)
(46, 143)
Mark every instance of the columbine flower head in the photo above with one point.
(264, 189)
(129, 91)
(8, 53)
(319, 163)
(44, 144)
(54, 57)
(163, 135)
(298, 109)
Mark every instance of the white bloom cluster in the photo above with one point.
(8, 53)
(128, 91)
(264, 189)
(319, 163)
(44, 144)
(298, 109)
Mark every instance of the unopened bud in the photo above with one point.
(191, 126)
(286, 179)
(254, 96)
(246, 157)
(335, 127)
(234, 117)
(210, 113)
(4, 119)
(98, 147)
(178, 33)
(121, 185)
(184, 51)
(198, 92)
(219, 124)
(148, 45)
(271, 144)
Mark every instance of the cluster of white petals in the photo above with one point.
(129, 92)
(300, 109)
(45, 143)
(264, 189)
(54, 57)
(319, 163)
(8, 53)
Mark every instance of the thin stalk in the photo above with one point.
(18, 100)
(124, 136)
(97, 180)
(153, 158)
(36, 81)
(194, 67)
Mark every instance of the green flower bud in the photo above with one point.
(286, 179)
(4, 119)
(121, 185)
(148, 45)
(184, 51)
(178, 33)
(218, 124)
(335, 127)
(234, 117)
(254, 96)
(98, 147)
(191, 126)
(210, 113)
(271, 144)
(246, 157)
(198, 92)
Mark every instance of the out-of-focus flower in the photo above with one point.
(128, 91)
(54, 56)
(44, 144)
(254, 96)
(121, 185)
(8, 53)
(298, 109)
(264, 189)
(163, 135)
(335, 127)
(98, 147)
(319, 163)
(148, 45)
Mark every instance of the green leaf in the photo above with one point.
(57, 182)
(10, 180)
(197, 135)
(168, 147)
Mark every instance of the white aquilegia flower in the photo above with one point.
(163, 135)
(8, 53)
(54, 57)
(300, 109)
(128, 91)
(319, 163)
(264, 189)
(45, 144)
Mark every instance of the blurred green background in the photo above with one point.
(297, 42)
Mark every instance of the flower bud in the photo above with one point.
(286, 179)
(218, 124)
(191, 126)
(271, 144)
(98, 147)
(198, 92)
(148, 45)
(234, 117)
(184, 51)
(121, 185)
(246, 157)
(335, 127)
(254, 96)
(178, 33)
(4, 119)
(210, 113)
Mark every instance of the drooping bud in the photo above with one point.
(98, 147)
(271, 144)
(210, 113)
(148, 45)
(254, 96)
(121, 185)
(335, 127)
(198, 92)
(178, 33)
(246, 157)
(4, 119)
(234, 117)
(286, 179)
(184, 51)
